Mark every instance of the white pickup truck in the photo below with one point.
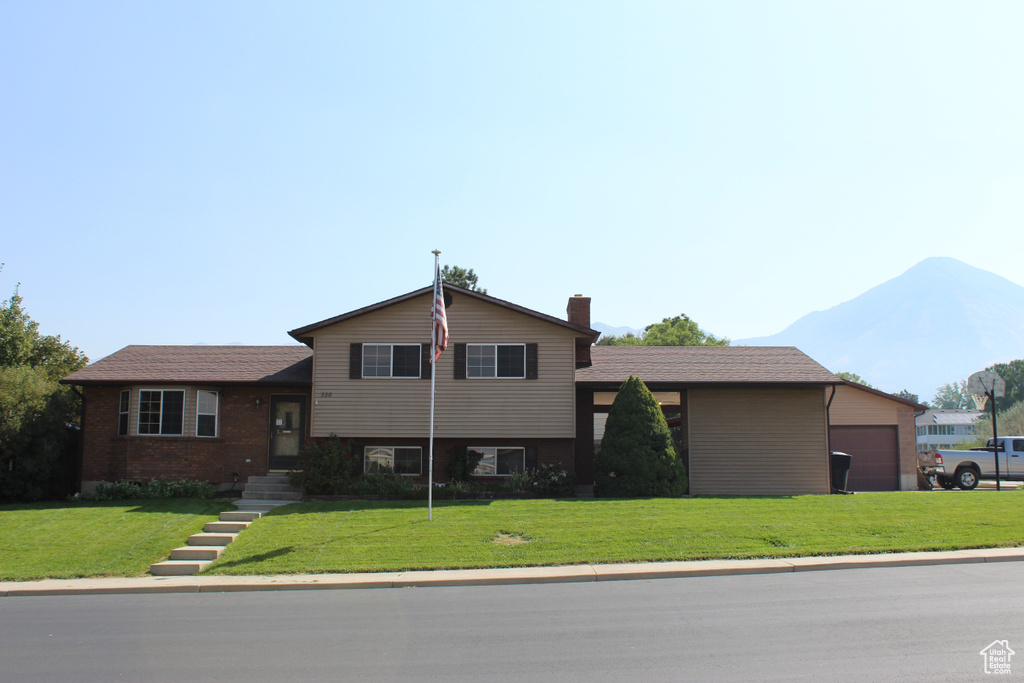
(966, 468)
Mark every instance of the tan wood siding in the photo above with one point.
(757, 441)
(854, 407)
(482, 408)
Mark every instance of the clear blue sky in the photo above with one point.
(222, 172)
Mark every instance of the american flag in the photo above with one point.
(440, 318)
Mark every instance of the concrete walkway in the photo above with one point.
(494, 577)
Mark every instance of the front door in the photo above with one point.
(287, 430)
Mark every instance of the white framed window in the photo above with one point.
(123, 412)
(392, 360)
(207, 409)
(499, 461)
(161, 411)
(407, 460)
(496, 361)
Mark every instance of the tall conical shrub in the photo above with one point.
(637, 457)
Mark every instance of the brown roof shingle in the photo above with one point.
(704, 365)
(200, 365)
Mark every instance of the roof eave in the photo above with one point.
(302, 334)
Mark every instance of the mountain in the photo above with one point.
(939, 322)
(609, 331)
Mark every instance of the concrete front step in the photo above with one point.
(211, 539)
(261, 506)
(197, 552)
(204, 548)
(224, 527)
(239, 516)
(178, 567)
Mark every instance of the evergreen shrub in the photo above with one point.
(326, 467)
(637, 456)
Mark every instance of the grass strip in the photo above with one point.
(111, 538)
(376, 536)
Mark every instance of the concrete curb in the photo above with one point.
(499, 577)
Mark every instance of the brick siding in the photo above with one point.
(243, 436)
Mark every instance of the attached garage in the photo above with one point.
(751, 419)
(877, 429)
(876, 457)
(757, 441)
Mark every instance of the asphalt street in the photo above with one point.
(906, 623)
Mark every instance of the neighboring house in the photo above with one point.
(877, 429)
(943, 428)
(523, 387)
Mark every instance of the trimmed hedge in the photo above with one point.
(154, 488)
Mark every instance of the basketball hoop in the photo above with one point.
(980, 400)
(986, 382)
(984, 385)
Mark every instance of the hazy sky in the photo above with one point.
(222, 172)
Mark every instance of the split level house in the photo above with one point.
(522, 387)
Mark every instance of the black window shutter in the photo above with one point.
(531, 361)
(357, 459)
(531, 457)
(355, 361)
(460, 361)
(425, 365)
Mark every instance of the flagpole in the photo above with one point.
(433, 378)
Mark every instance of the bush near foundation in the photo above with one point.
(154, 488)
(637, 456)
(326, 467)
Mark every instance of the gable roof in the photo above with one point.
(943, 416)
(707, 365)
(881, 394)
(302, 333)
(200, 365)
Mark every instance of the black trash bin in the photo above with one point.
(840, 465)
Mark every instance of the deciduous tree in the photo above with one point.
(35, 411)
(1013, 374)
(853, 377)
(953, 396)
(909, 396)
(460, 277)
(677, 331)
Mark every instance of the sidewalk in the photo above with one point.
(495, 577)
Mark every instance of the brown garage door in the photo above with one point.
(875, 465)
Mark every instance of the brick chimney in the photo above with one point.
(578, 313)
(578, 310)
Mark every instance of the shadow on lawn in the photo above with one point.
(355, 505)
(254, 559)
(350, 505)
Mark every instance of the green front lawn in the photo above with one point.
(391, 536)
(116, 538)
(122, 538)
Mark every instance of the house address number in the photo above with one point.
(325, 394)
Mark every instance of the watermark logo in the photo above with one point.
(997, 657)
